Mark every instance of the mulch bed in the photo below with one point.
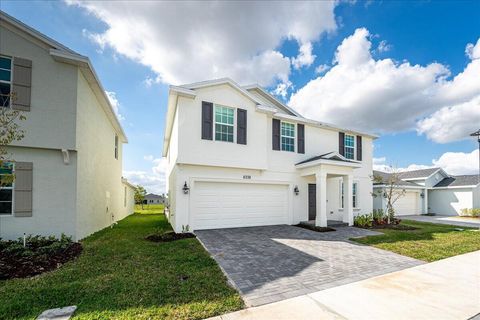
(169, 236)
(19, 266)
(314, 228)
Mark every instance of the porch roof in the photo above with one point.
(332, 158)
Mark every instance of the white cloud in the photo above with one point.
(452, 123)
(191, 41)
(322, 68)
(383, 46)
(382, 95)
(454, 163)
(154, 181)
(473, 51)
(457, 163)
(282, 89)
(112, 96)
(148, 157)
(305, 57)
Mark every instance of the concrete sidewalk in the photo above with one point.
(455, 221)
(443, 290)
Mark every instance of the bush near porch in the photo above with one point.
(120, 275)
(472, 212)
(428, 242)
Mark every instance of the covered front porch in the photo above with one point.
(330, 181)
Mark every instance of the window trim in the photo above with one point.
(11, 79)
(12, 187)
(293, 138)
(342, 196)
(234, 133)
(354, 147)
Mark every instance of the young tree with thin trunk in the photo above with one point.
(140, 194)
(392, 190)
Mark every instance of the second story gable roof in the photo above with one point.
(63, 54)
(419, 174)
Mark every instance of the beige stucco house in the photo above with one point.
(68, 167)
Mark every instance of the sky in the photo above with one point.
(407, 71)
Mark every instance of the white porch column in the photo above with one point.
(321, 185)
(425, 201)
(348, 199)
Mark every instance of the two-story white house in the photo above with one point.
(68, 168)
(239, 157)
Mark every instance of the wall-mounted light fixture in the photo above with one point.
(296, 191)
(185, 188)
(422, 194)
(384, 194)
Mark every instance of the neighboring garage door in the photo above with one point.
(408, 204)
(227, 205)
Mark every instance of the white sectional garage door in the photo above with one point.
(228, 205)
(408, 204)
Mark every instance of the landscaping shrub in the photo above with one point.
(472, 212)
(39, 254)
(363, 221)
(378, 215)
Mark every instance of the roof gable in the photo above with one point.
(459, 181)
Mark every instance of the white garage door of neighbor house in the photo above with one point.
(229, 205)
(408, 204)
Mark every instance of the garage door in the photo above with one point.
(228, 205)
(408, 204)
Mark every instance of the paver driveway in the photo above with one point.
(273, 263)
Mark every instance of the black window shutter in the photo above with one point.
(301, 138)
(276, 134)
(241, 126)
(341, 143)
(359, 148)
(207, 120)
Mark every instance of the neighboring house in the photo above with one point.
(153, 199)
(431, 191)
(239, 157)
(68, 167)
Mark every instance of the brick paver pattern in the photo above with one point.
(272, 263)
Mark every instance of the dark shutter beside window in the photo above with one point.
(276, 134)
(23, 189)
(207, 120)
(359, 148)
(22, 82)
(301, 138)
(341, 143)
(241, 126)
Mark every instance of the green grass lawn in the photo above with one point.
(122, 276)
(150, 208)
(430, 242)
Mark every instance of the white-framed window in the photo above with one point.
(354, 195)
(287, 136)
(224, 123)
(349, 146)
(6, 188)
(5, 80)
(116, 147)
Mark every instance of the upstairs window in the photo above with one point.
(5, 81)
(6, 188)
(224, 123)
(116, 146)
(349, 147)
(287, 136)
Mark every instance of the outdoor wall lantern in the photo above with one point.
(296, 190)
(422, 194)
(185, 188)
(384, 194)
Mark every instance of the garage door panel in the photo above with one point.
(408, 204)
(221, 205)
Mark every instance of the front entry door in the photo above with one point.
(312, 201)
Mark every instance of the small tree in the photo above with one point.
(393, 190)
(140, 194)
(10, 131)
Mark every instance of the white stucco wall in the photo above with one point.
(450, 201)
(198, 159)
(476, 197)
(53, 195)
(99, 184)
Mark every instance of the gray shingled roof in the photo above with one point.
(152, 195)
(458, 181)
(416, 174)
(324, 157)
(385, 176)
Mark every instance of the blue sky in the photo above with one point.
(416, 33)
